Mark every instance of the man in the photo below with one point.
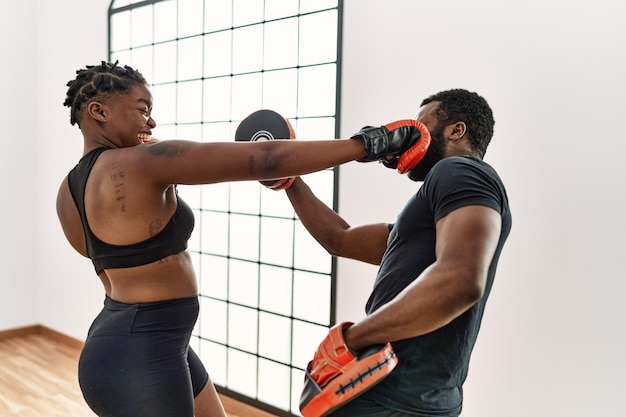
(437, 263)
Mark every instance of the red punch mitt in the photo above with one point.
(387, 143)
(266, 125)
(336, 376)
(412, 156)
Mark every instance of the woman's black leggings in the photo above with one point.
(137, 361)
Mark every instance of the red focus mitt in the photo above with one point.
(336, 376)
(408, 159)
(266, 125)
(387, 143)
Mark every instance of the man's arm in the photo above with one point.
(363, 243)
(466, 242)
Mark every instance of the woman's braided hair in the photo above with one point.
(99, 81)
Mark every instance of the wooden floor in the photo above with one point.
(38, 378)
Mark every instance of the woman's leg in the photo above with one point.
(135, 362)
(207, 403)
(126, 376)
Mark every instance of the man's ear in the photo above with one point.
(458, 130)
(96, 111)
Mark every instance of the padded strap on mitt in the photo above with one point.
(412, 156)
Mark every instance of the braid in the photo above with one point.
(99, 81)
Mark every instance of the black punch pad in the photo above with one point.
(263, 125)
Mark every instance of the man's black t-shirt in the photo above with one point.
(431, 370)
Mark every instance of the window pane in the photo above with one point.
(190, 58)
(248, 49)
(214, 233)
(189, 106)
(141, 26)
(242, 372)
(120, 31)
(246, 12)
(306, 339)
(244, 232)
(122, 56)
(275, 337)
(307, 6)
(213, 357)
(308, 254)
(312, 34)
(277, 241)
(215, 196)
(217, 54)
(275, 203)
(280, 8)
(213, 320)
(242, 328)
(192, 131)
(280, 92)
(217, 15)
(244, 197)
(311, 297)
(318, 182)
(275, 383)
(281, 44)
(141, 59)
(243, 283)
(297, 378)
(217, 132)
(214, 277)
(165, 20)
(275, 289)
(250, 88)
(190, 14)
(312, 100)
(164, 97)
(217, 95)
(315, 128)
(191, 195)
(164, 62)
(163, 131)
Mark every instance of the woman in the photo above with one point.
(120, 208)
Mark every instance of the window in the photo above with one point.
(266, 287)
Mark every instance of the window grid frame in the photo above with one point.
(293, 219)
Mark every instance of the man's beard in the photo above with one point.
(435, 153)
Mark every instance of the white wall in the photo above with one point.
(553, 336)
(72, 34)
(554, 72)
(19, 115)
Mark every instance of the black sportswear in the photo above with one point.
(137, 361)
(431, 370)
(172, 239)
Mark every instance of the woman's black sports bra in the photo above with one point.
(171, 240)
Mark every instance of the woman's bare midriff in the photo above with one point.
(168, 278)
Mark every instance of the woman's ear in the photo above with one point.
(458, 130)
(95, 110)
